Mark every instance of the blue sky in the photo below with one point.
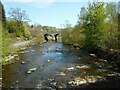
(48, 12)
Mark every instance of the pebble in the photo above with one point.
(31, 70)
(83, 67)
(23, 48)
(103, 60)
(22, 62)
(32, 50)
(11, 87)
(28, 72)
(26, 51)
(17, 81)
(0, 78)
(54, 83)
(22, 52)
(48, 60)
(111, 49)
(71, 68)
(111, 74)
(78, 67)
(93, 55)
(61, 74)
(79, 58)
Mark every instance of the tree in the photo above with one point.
(18, 15)
(66, 33)
(94, 24)
(72, 35)
(113, 33)
(3, 14)
(119, 24)
(49, 29)
(82, 16)
(12, 26)
(37, 35)
(6, 43)
(18, 23)
(26, 32)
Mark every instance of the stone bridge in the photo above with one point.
(53, 35)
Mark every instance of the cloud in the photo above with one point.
(34, 3)
(26, 1)
(47, 3)
(41, 4)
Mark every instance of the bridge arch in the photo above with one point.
(53, 36)
(56, 37)
(46, 36)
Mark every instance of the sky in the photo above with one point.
(48, 12)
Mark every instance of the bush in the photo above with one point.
(26, 32)
(37, 35)
(73, 36)
(6, 43)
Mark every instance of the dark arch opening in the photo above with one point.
(56, 37)
(46, 36)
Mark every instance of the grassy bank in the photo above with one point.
(14, 49)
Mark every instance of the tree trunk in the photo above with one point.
(119, 31)
(119, 25)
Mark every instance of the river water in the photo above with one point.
(59, 66)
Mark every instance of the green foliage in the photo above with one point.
(95, 25)
(73, 36)
(49, 29)
(20, 31)
(17, 24)
(6, 43)
(18, 15)
(0, 40)
(3, 14)
(78, 36)
(12, 27)
(67, 33)
(26, 31)
(113, 34)
(37, 34)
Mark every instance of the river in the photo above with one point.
(59, 66)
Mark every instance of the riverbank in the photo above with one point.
(112, 56)
(109, 55)
(18, 47)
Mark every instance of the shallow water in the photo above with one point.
(58, 66)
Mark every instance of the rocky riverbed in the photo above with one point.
(54, 65)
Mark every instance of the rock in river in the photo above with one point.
(31, 70)
(70, 68)
(48, 60)
(28, 72)
(22, 62)
(93, 55)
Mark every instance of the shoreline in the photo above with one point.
(19, 46)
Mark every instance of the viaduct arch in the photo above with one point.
(53, 36)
